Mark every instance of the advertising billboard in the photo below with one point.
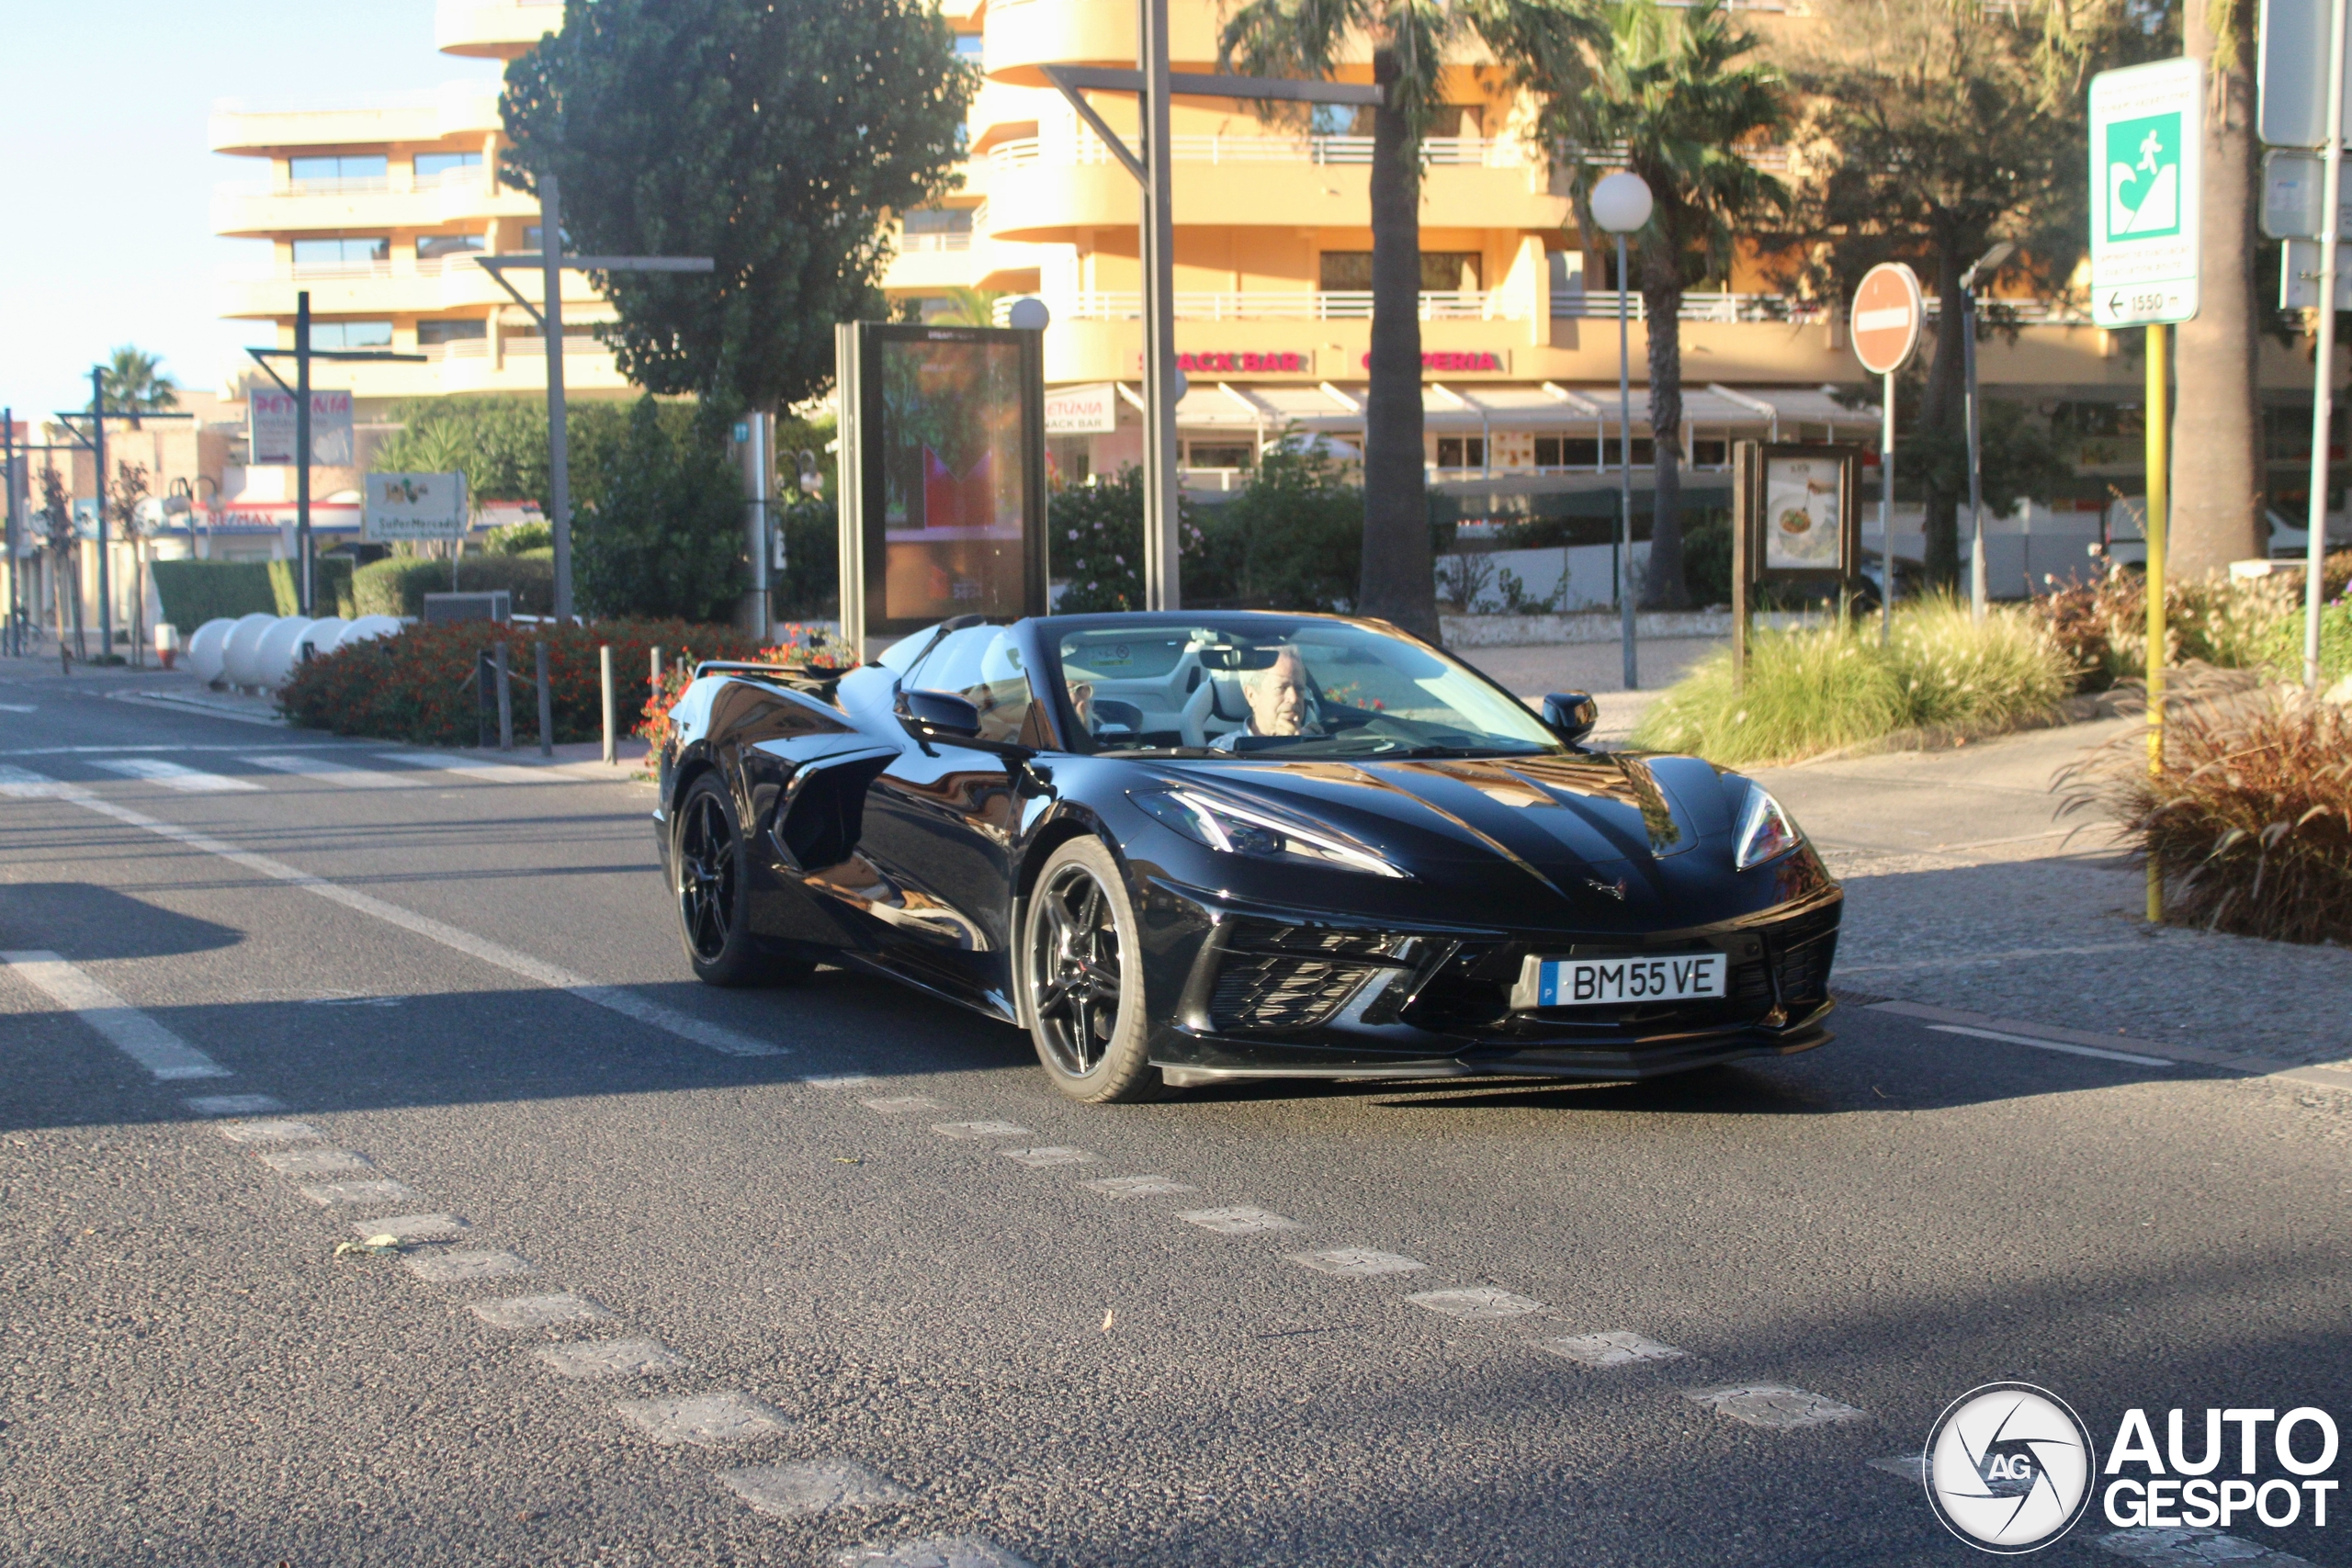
(415, 506)
(944, 457)
(270, 427)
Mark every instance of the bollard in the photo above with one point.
(505, 699)
(485, 674)
(546, 702)
(605, 682)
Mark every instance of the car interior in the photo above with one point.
(1179, 688)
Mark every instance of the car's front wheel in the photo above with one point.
(710, 869)
(1082, 980)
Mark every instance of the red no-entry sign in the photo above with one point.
(1888, 314)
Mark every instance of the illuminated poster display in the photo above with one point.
(949, 445)
(1798, 513)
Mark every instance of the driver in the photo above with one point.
(1281, 701)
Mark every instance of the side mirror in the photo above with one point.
(1571, 714)
(948, 714)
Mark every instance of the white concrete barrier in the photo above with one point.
(238, 653)
(367, 628)
(274, 655)
(318, 638)
(208, 647)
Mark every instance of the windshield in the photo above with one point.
(1270, 685)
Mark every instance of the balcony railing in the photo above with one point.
(1084, 147)
(421, 267)
(1304, 305)
(937, 240)
(1697, 306)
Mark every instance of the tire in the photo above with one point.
(709, 877)
(1082, 979)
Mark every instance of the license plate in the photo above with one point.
(1615, 982)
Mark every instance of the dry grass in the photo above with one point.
(2250, 824)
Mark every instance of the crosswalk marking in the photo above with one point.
(333, 773)
(132, 1032)
(173, 775)
(473, 768)
(23, 784)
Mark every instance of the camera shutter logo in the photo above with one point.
(2008, 1468)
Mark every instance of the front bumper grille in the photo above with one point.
(1269, 991)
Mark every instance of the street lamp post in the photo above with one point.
(1985, 266)
(1622, 204)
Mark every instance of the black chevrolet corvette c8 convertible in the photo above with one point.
(1186, 846)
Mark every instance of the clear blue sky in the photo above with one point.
(106, 237)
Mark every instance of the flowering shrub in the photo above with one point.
(2231, 623)
(813, 646)
(419, 686)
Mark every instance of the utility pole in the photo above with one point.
(1155, 86)
(98, 449)
(552, 264)
(13, 641)
(302, 354)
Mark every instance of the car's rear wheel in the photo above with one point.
(709, 873)
(1082, 980)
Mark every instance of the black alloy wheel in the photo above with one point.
(1085, 990)
(708, 876)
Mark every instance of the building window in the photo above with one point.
(1567, 452)
(433, 247)
(1459, 120)
(531, 238)
(1710, 453)
(338, 169)
(1461, 451)
(429, 333)
(939, 220)
(351, 334)
(968, 47)
(431, 166)
(350, 250)
(1205, 455)
(1443, 272)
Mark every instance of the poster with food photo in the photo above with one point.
(1802, 526)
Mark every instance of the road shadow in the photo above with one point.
(94, 923)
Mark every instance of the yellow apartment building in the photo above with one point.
(377, 205)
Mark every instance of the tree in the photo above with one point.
(64, 576)
(775, 136)
(2217, 475)
(1936, 126)
(499, 443)
(661, 516)
(134, 384)
(1671, 88)
(123, 496)
(971, 306)
(1411, 39)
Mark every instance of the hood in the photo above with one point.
(1621, 829)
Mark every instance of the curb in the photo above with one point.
(2333, 1076)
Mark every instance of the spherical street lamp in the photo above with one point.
(1622, 203)
(1029, 315)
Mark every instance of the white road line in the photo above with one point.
(540, 1312)
(1775, 1406)
(465, 1267)
(1137, 1186)
(705, 1420)
(360, 1193)
(164, 746)
(269, 1132)
(22, 784)
(1476, 1302)
(414, 1228)
(316, 1162)
(235, 1104)
(1612, 1348)
(132, 1032)
(937, 1551)
(2055, 1045)
(1238, 1219)
(476, 768)
(612, 1359)
(902, 1103)
(796, 1490)
(2190, 1545)
(333, 773)
(615, 998)
(1356, 1263)
(973, 1132)
(174, 776)
(17, 708)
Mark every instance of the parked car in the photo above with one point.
(1191, 846)
(2123, 534)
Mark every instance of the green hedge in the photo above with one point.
(195, 591)
(398, 586)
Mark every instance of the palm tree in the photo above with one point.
(135, 384)
(970, 308)
(1671, 88)
(1535, 41)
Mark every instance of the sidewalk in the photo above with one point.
(1966, 890)
(1532, 669)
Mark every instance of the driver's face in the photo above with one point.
(1278, 697)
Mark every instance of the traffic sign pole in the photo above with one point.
(1889, 313)
(2323, 357)
(1886, 512)
(2159, 424)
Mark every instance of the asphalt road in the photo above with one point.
(806, 1291)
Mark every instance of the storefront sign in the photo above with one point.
(270, 422)
(416, 506)
(1455, 360)
(1091, 409)
(1281, 363)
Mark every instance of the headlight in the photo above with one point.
(1766, 831)
(1234, 829)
